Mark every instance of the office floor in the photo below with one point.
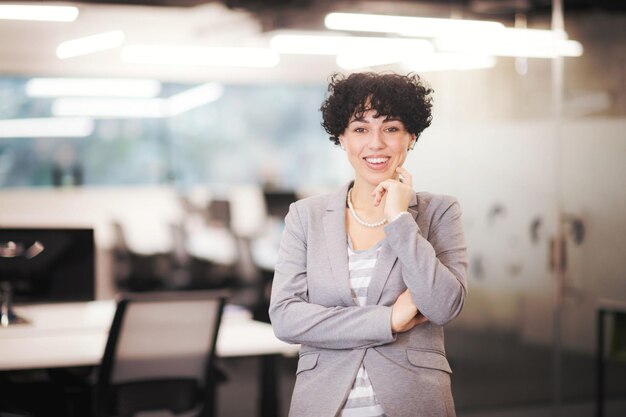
(614, 408)
(494, 376)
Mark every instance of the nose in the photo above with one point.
(376, 140)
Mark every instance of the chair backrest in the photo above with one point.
(160, 353)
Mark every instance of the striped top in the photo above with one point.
(361, 401)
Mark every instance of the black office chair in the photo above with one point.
(160, 355)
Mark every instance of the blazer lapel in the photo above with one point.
(336, 244)
(384, 264)
(380, 274)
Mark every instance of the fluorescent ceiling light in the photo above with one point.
(530, 43)
(138, 107)
(194, 97)
(335, 45)
(407, 25)
(40, 13)
(200, 55)
(92, 87)
(90, 44)
(450, 62)
(426, 63)
(464, 36)
(46, 127)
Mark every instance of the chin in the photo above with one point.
(375, 179)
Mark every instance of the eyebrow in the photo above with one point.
(387, 119)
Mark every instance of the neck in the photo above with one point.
(362, 196)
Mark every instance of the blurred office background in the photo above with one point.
(183, 157)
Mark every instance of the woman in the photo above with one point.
(367, 277)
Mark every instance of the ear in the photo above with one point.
(412, 142)
(341, 145)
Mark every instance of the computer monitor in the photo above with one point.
(43, 265)
(277, 202)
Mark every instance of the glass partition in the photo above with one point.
(239, 137)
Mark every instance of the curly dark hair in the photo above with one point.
(391, 95)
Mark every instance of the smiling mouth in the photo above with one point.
(377, 162)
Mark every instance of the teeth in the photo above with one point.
(376, 160)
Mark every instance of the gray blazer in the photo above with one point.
(311, 304)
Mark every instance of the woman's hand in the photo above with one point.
(395, 193)
(404, 314)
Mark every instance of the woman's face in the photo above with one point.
(376, 146)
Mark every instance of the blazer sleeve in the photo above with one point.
(297, 320)
(433, 270)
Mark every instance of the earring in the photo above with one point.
(411, 146)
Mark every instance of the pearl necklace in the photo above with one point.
(357, 218)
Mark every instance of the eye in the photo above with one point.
(393, 129)
(359, 129)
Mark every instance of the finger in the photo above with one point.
(407, 177)
(379, 192)
(405, 172)
(378, 195)
(420, 318)
(407, 294)
(385, 187)
(412, 323)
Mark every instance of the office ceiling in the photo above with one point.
(29, 48)
(474, 6)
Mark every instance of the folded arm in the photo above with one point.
(296, 320)
(433, 270)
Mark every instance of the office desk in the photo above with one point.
(75, 334)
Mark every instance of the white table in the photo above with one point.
(75, 334)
